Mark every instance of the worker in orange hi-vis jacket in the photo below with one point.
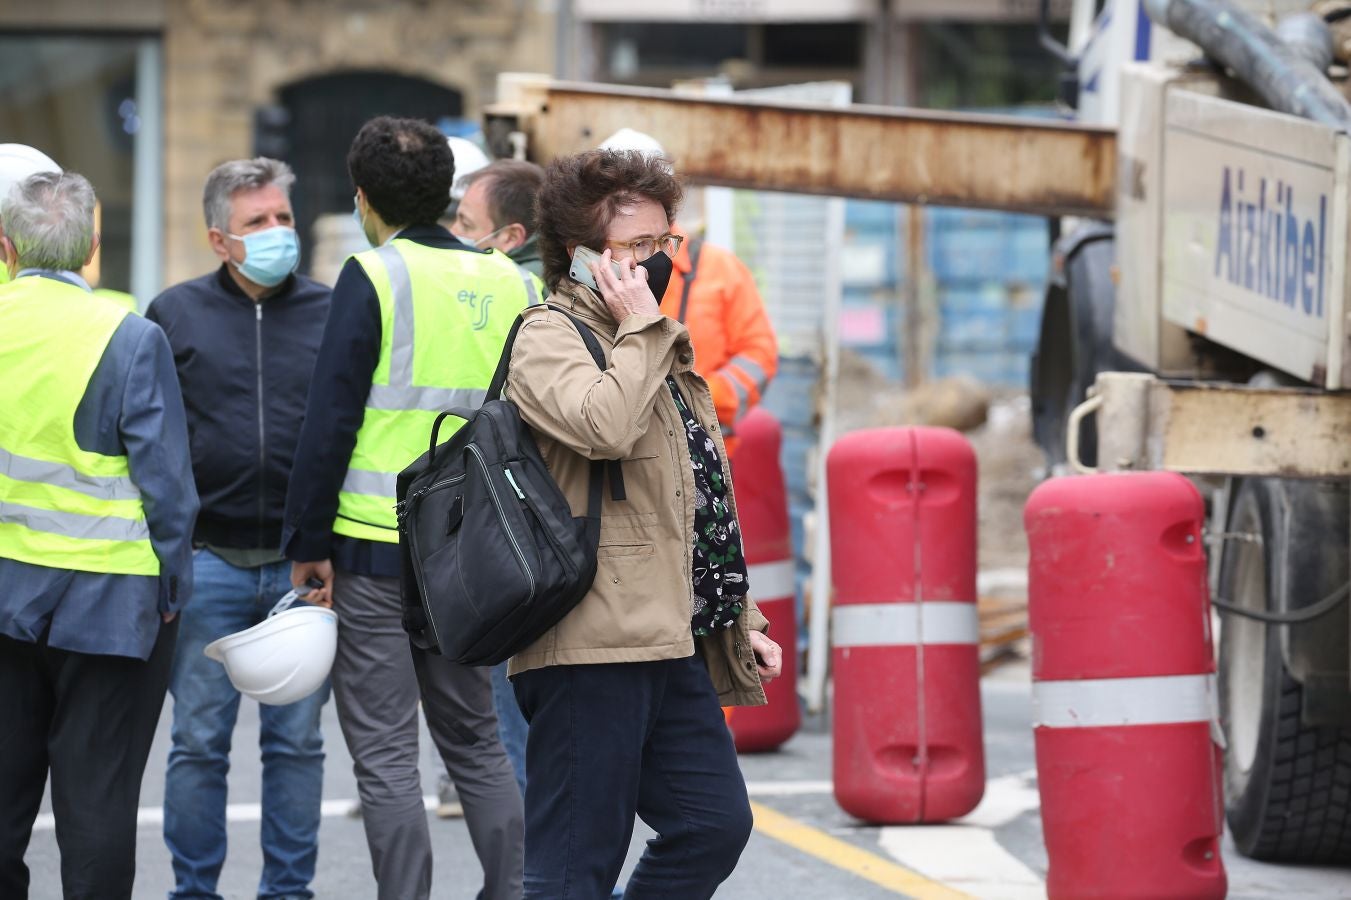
(713, 294)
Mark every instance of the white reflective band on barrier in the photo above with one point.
(772, 581)
(1109, 702)
(892, 624)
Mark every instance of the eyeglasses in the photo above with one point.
(643, 248)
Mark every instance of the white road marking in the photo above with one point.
(1006, 798)
(944, 852)
(148, 816)
(787, 788)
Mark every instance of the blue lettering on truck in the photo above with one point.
(1263, 246)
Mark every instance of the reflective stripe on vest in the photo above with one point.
(445, 315)
(104, 487)
(752, 370)
(904, 624)
(61, 506)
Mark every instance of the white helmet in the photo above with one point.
(283, 658)
(18, 161)
(469, 158)
(628, 139)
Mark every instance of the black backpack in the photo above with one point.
(492, 555)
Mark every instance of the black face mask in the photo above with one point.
(658, 267)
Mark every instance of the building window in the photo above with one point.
(820, 44)
(91, 103)
(973, 65)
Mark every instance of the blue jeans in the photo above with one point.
(511, 726)
(608, 740)
(227, 599)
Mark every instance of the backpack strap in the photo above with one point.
(696, 244)
(599, 468)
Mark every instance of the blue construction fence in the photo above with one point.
(986, 274)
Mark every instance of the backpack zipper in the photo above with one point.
(529, 503)
(422, 587)
(502, 517)
(514, 486)
(404, 508)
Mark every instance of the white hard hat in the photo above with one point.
(18, 161)
(628, 139)
(283, 658)
(469, 158)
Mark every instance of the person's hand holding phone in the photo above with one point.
(625, 293)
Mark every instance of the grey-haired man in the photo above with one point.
(96, 511)
(244, 339)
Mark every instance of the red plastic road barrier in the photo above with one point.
(907, 726)
(1124, 688)
(762, 509)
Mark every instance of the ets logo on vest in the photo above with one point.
(479, 306)
(1264, 246)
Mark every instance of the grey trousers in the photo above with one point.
(377, 680)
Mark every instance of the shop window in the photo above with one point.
(80, 100)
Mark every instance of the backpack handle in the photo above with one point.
(460, 411)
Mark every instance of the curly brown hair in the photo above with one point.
(582, 193)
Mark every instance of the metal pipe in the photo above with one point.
(1238, 40)
(1048, 41)
(1309, 36)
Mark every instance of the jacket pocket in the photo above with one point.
(619, 550)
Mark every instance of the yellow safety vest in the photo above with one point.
(121, 298)
(61, 506)
(444, 316)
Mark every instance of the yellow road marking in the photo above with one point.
(844, 855)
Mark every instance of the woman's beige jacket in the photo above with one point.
(639, 607)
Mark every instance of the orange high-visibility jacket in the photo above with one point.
(734, 345)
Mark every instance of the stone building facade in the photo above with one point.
(221, 63)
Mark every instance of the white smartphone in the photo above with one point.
(580, 271)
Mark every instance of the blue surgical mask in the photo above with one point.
(269, 255)
(360, 220)
(476, 244)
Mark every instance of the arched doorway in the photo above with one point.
(324, 113)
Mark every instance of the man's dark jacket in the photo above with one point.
(245, 371)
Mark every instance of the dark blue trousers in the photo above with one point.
(608, 741)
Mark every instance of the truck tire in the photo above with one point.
(1075, 340)
(1287, 785)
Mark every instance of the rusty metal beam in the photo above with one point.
(876, 153)
(1221, 429)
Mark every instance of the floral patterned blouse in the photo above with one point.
(719, 568)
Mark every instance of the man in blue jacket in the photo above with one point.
(244, 339)
(96, 513)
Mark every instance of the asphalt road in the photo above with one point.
(804, 846)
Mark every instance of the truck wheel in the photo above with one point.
(1075, 341)
(1287, 785)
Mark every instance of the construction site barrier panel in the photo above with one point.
(906, 716)
(1124, 703)
(762, 509)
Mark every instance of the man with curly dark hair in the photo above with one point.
(417, 325)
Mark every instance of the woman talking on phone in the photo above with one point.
(623, 695)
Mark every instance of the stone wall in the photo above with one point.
(223, 60)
